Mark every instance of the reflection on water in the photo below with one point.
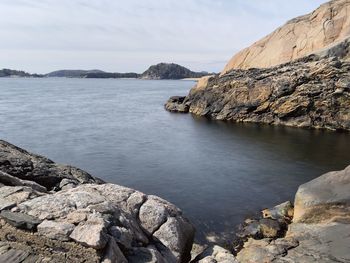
(216, 172)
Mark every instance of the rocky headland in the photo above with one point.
(308, 88)
(57, 213)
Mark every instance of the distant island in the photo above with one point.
(154, 72)
(17, 73)
(170, 71)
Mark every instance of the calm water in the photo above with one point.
(216, 172)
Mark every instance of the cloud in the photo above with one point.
(129, 35)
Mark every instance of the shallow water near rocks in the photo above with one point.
(216, 172)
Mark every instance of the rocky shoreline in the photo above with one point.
(312, 92)
(57, 213)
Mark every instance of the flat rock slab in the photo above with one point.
(20, 220)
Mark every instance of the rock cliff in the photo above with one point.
(302, 36)
(312, 91)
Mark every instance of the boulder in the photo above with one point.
(177, 235)
(324, 199)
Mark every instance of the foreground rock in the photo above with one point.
(320, 228)
(302, 36)
(105, 222)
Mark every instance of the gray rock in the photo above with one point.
(56, 230)
(177, 235)
(20, 220)
(6, 204)
(154, 212)
(112, 253)
(122, 235)
(146, 255)
(30, 167)
(14, 256)
(10, 180)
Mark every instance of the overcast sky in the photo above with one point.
(129, 35)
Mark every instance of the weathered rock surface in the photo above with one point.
(19, 163)
(297, 76)
(324, 199)
(116, 222)
(320, 228)
(312, 92)
(313, 33)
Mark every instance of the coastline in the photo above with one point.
(47, 212)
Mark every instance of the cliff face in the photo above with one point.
(312, 91)
(302, 36)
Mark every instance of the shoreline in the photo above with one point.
(66, 225)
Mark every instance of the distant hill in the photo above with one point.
(68, 73)
(17, 73)
(107, 75)
(170, 71)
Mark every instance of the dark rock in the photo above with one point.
(270, 228)
(20, 220)
(30, 167)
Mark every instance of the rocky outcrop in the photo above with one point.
(297, 76)
(29, 167)
(327, 26)
(170, 71)
(320, 227)
(85, 222)
(312, 92)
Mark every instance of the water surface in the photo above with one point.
(216, 172)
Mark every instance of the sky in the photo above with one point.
(130, 35)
